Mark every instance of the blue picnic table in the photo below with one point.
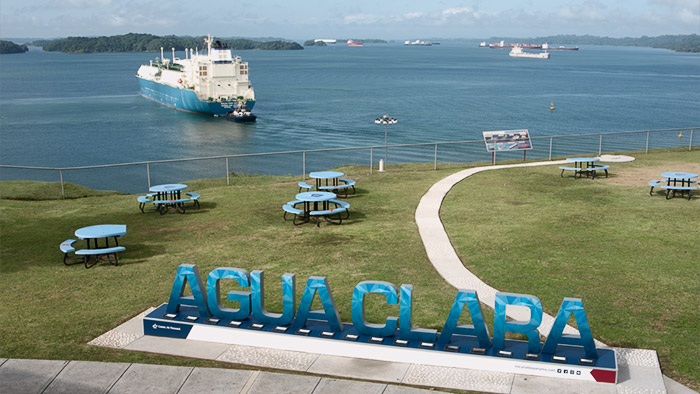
(678, 181)
(584, 165)
(326, 176)
(95, 233)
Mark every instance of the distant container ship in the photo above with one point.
(352, 43)
(212, 83)
(326, 40)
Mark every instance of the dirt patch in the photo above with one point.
(640, 176)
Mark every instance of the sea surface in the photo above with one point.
(65, 110)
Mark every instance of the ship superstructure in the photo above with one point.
(211, 83)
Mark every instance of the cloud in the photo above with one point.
(82, 4)
(363, 19)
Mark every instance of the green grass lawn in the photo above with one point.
(631, 257)
(634, 259)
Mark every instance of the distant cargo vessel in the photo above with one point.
(352, 43)
(418, 43)
(518, 52)
(211, 83)
(326, 40)
(559, 48)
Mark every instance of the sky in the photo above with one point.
(389, 20)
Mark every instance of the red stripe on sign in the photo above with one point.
(601, 375)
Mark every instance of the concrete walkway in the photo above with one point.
(443, 256)
(77, 377)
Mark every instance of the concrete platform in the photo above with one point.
(639, 371)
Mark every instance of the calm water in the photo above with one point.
(61, 110)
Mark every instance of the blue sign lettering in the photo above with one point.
(358, 308)
(253, 302)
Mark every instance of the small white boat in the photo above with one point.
(518, 52)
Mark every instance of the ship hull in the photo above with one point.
(184, 99)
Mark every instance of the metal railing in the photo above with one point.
(473, 151)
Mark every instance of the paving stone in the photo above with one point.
(393, 389)
(640, 380)
(179, 347)
(151, 379)
(460, 379)
(86, 377)
(673, 387)
(526, 384)
(28, 376)
(270, 382)
(383, 371)
(214, 380)
(333, 386)
(269, 358)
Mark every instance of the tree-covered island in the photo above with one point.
(133, 42)
(678, 43)
(11, 47)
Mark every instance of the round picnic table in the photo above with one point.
(677, 176)
(673, 178)
(315, 198)
(168, 191)
(105, 231)
(320, 176)
(168, 195)
(578, 161)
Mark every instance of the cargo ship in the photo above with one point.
(518, 52)
(546, 46)
(352, 43)
(212, 83)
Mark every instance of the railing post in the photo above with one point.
(63, 190)
(148, 174)
(435, 163)
(600, 145)
(228, 174)
(303, 164)
(646, 150)
(550, 147)
(690, 144)
(371, 161)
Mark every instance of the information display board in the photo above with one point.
(507, 140)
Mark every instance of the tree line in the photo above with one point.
(133, 42)
(11, 47)
(678, 43)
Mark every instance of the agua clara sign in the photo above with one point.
(207, 301)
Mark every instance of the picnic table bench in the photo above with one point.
(100, 252)
(344, 187)
(164, 205)
(329, 213)
(671, 190)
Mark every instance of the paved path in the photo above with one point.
(77, 377)
(443, 256)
